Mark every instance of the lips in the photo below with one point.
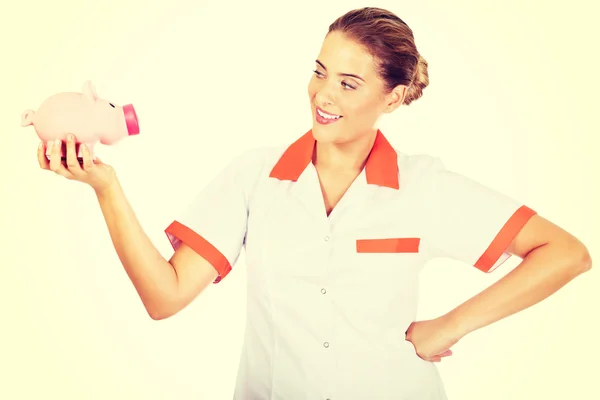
(327, 115)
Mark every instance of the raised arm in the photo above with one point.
(165, 287)
(207, 237)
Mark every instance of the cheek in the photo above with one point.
(364, 109)
(312, 89)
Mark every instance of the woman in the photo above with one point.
(336, 228)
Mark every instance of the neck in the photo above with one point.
(347, 156)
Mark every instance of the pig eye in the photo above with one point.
(112, 105)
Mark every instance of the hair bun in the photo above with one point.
(419, 82)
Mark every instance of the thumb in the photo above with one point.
(445, 353)
(99, 163)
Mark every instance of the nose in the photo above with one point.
(323, 98)
(131, 120)
(324, 92)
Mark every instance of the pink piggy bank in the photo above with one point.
(87, 116)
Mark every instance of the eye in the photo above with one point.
(112, 105)
(344, 84)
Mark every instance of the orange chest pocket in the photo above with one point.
(388, 245)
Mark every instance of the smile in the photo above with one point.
(326, 118)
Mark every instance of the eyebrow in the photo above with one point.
(350, 75)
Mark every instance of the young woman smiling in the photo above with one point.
(336, 227)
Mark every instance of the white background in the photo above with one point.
(512, 103)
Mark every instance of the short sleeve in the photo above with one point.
(214, 224)
(470, 222)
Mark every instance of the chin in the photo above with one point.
(324, 134)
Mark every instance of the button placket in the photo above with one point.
(327, 238)
(328, 360)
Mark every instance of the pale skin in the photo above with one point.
(551, 257)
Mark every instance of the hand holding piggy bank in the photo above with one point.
(87, 116)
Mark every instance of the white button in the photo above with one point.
(323, 291)
(326, 344)
(326, 238)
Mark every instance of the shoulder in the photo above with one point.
(253, 165)
(418, 162)
(257, 159)
(421, 167)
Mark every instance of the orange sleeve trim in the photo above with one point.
(504, 238)
(392, 245)
(201, 246)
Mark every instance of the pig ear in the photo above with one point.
(27, 117)
(89, 91)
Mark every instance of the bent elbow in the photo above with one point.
(585, 260)
(158, 313)
(158, 316)
(580, 260)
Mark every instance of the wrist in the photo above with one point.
(107, 189)
(455, 324)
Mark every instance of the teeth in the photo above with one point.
(328, 116)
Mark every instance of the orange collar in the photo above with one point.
(381, 167)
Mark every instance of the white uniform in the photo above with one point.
(331, 297)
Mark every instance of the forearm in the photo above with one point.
(153, 277)
(541, 273)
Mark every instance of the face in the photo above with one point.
(346, 87)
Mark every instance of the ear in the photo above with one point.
(27, 117)
(89, 92)
(395, 98)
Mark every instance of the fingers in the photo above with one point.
(446, 353)
(408, 332)
(438, 357)
(41, 155)
(434, 357)
(72, 161)
(56, 164)
(88, 163)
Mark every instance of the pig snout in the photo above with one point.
(131, 120)
(27, 117)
